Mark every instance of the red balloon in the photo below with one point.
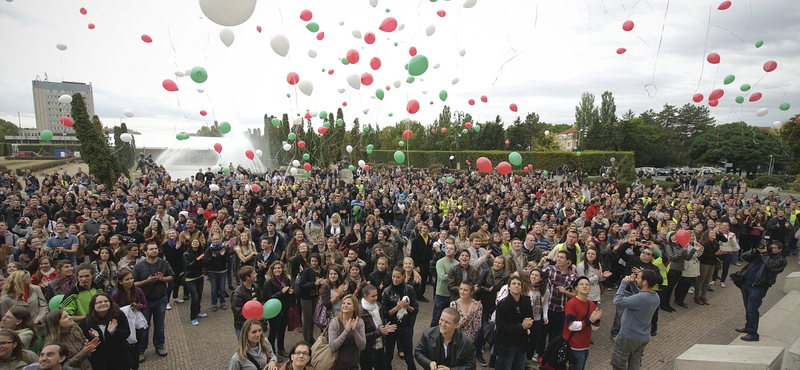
(724, 5)
(407, 134)
(369, 38)
(467, 162)
(252, 310)
(83, 11)
(755, 97)
(530, 166)
(330, 71)
(307, 166)
(484, 165)
(375, 63)
(301, 144)
(307, 116)
(513, 107)
(431, 102)
(366, 79)
(203, 113)
(388, 87)
(306, 15)
(504, 168)
(716, 94)
(468, 125)
(322, 130)
(441, 13)
(627, 25)
(526, 169)
(444, 130)
(713, 58)
(412, 50)
(320, 35)
(697, 97)
(292, 78)
(508, 142)
(770, 66)
(484, 98)
(91, 26)
(682, 237)
(147, 39)
(388, 25)
(621, 51)
(255, 188)
(66, 121)
(249, 154)
(433, 130)
(352, 56)
(412, 106)
(218, 147)
(169, 85)
(713, 103)
(344, 103)
(258, 28)
(366, 167)
(471, 102)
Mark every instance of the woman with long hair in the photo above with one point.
(45, 273)
(108, 324)
(540, 299)
(258, 228)
(399, 306)
(411, 277)
(591, 267)
(314, 227)
(279, 286)
(173, 249)
(18, 291)
(105, 270)
(299, 357)
(310, 280)
(381, 277)
(332, 290)
(61, 328)
(346, 335)
(708, 261)
(469, 309)
(18, 319)
(14, 355)
(154, 233)
(253, 351)
(292, 248)
(335, 228)
(64, 282)
(462, 240)
(133, 296)
(245, 251)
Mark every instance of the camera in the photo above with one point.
(765, 241)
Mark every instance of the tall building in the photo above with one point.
(49, 110)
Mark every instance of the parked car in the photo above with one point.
(27, 153)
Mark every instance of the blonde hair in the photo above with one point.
(356, 310)
(417, 277)
(244, 343)
(15, 283)
(335, 218)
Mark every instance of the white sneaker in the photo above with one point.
(711, 283)
(169, 307)
(691, 290)
(722, 284)
(178, 300)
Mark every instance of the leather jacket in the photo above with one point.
(773, 264)
(430, 348)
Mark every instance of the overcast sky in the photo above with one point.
(540, 55)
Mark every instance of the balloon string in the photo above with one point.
(508, 39)
(658, 52)
(705, 48)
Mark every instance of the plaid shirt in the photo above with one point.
(555, 279)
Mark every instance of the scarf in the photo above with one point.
(373, 310)
(172, 243)
(280, 281)
(63, 284)
(495, 273)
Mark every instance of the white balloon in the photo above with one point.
(430, 30)
(762, 112)
(401, 26)
(214, 187)
(226, 12)
(126, 137)
(452, 157)
(354, 81)
(247, 187)
(455, 81)
(313, 113)
(356, 34)
(306, 87)
(366, 111)
(287, 147)
(128, 113)
(188, 72)
(61, 47)
(470, 3)
(436, 66)
(312, 53)
(280, 45)
(298, 121)
(462, 52)
(259, 153)
(361, 163)
(340, 90)
(296, 163)
(546, 132)
(65, 99)
(374, 3)
(341, 23)
(424, 91)
(777, 124)
(293, 171)
(396, 84)
(179, 74)
(227, 36)
(201, 89)
(216, 168)
(349, 148)
(421, 79)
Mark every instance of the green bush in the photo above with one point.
(763, 181)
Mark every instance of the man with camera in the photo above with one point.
(765, 263)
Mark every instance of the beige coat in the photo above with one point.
(36, 304)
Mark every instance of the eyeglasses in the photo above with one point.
(301, 353)
(647, 253)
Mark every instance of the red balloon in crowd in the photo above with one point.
(301, 144)
(369, 38)
(66, 121)
(91, 26)
(366, 167)
(147, 39)
(513, 107)
(307, 115)
(203, 113)
(507, 142)
(255, 188)
(407, 134)
(83, 11)
(713, 58)
(306, 15)
(431, 102)
(471, 102)
(388, 87)
(683, 237)
(770, 66)
(330, 72)
(433, 130)
(292, 78)
(627, 26)
(468, 125)
(697, 97)
(388, 25)
(352, 56)
(249, 154)
(218, 147)
(258, 28)
(307, 166)
(344, 103)
(252, 310)
(412, 50)
(169, 85)
(621, 51)
(441, 13)
(366, 79)
(444, 130)
(484, 164)
(716, 94)
(755, 97)
(526, 169)
(504, 168)
(724, 5)
(713, 103)
(484, 98)
(320, 35)
(322, 130)
(467, 162)
(375, 63)
(412, 106)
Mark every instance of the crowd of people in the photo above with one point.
(513, 267)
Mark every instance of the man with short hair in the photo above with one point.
(53, 355)
(131, 234)
(479, 257)
(515, 259)
(248, 291)
(639, 307)
(570, 245)
(76, 301)
(92, 225)
(444, 347)
(422, 253)
(765, 263)
(561, 283)
(63, 245)
(167, 221)
(153, 275)
(192, 232)
(441, 295)
(8, 238)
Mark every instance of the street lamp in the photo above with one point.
(582, 133)
(458, 116)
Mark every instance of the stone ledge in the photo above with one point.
(729, 357)
(791, 282)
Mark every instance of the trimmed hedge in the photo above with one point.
(588, 161)
(47, 149)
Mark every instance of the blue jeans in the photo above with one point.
(727, 259)
(512, 359)
(217, 287)
(580, 359)
(404, 340)
(752, 296)
(154, 314)
(238, 332)
(195, 290)
(439, 304)
(277, 330)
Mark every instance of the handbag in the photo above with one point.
(322, 358)
(558, 353)
(321, 315)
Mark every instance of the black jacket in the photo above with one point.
(112, 352)
(486, 281)
(174, 256)
(391, 295)
(308, 286)
(430, 348)
(768, 270)
(239, 297)
(191, 266)
(268, 260)
(422, 252)
(455, 277)
(215, 260)
(508, 319)
(372, 332)
(271, 291)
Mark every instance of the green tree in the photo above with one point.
(8, 128)
(743, 145)
(790, 144)
(94, 148)
(587, 117)
(125, 152)
(212, 131)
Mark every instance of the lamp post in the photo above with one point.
(582, 133)
(458, 116)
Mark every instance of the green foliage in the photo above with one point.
(744, 145)
(764, 181)
(212, 131)
(125, 152)
(94, 147)
(8, 128)
(790, 143)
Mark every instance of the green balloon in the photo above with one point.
(410, 79)
(292, 136)
(327, 124)
(395, 43)
(729, 79)
(272, 308)
(745, 87)
(288, 95)
(740, 99)
(323, 114)
(351, 167)
(226, 170)
(199, 75)
(365, 128)
(224, 127)
(345, 61)
(179, 136)
(450, 179)
(307, 174)
(339, 122)
(399, 157)
(401, 143)
(759, 43)
(312, 26)
(464, 131)
(387, 10)
(276, 122)
(46, 135)
(55, 302)
(306, 156)
(391, 114)
(379, 94)
(515, 158)
(544, 173)
(370, 147)
(418, 65)
(785, 106)
(578, 153)
(406, 66)
(477, 128)
(323, 70)
(369, 151)
(443, 95)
